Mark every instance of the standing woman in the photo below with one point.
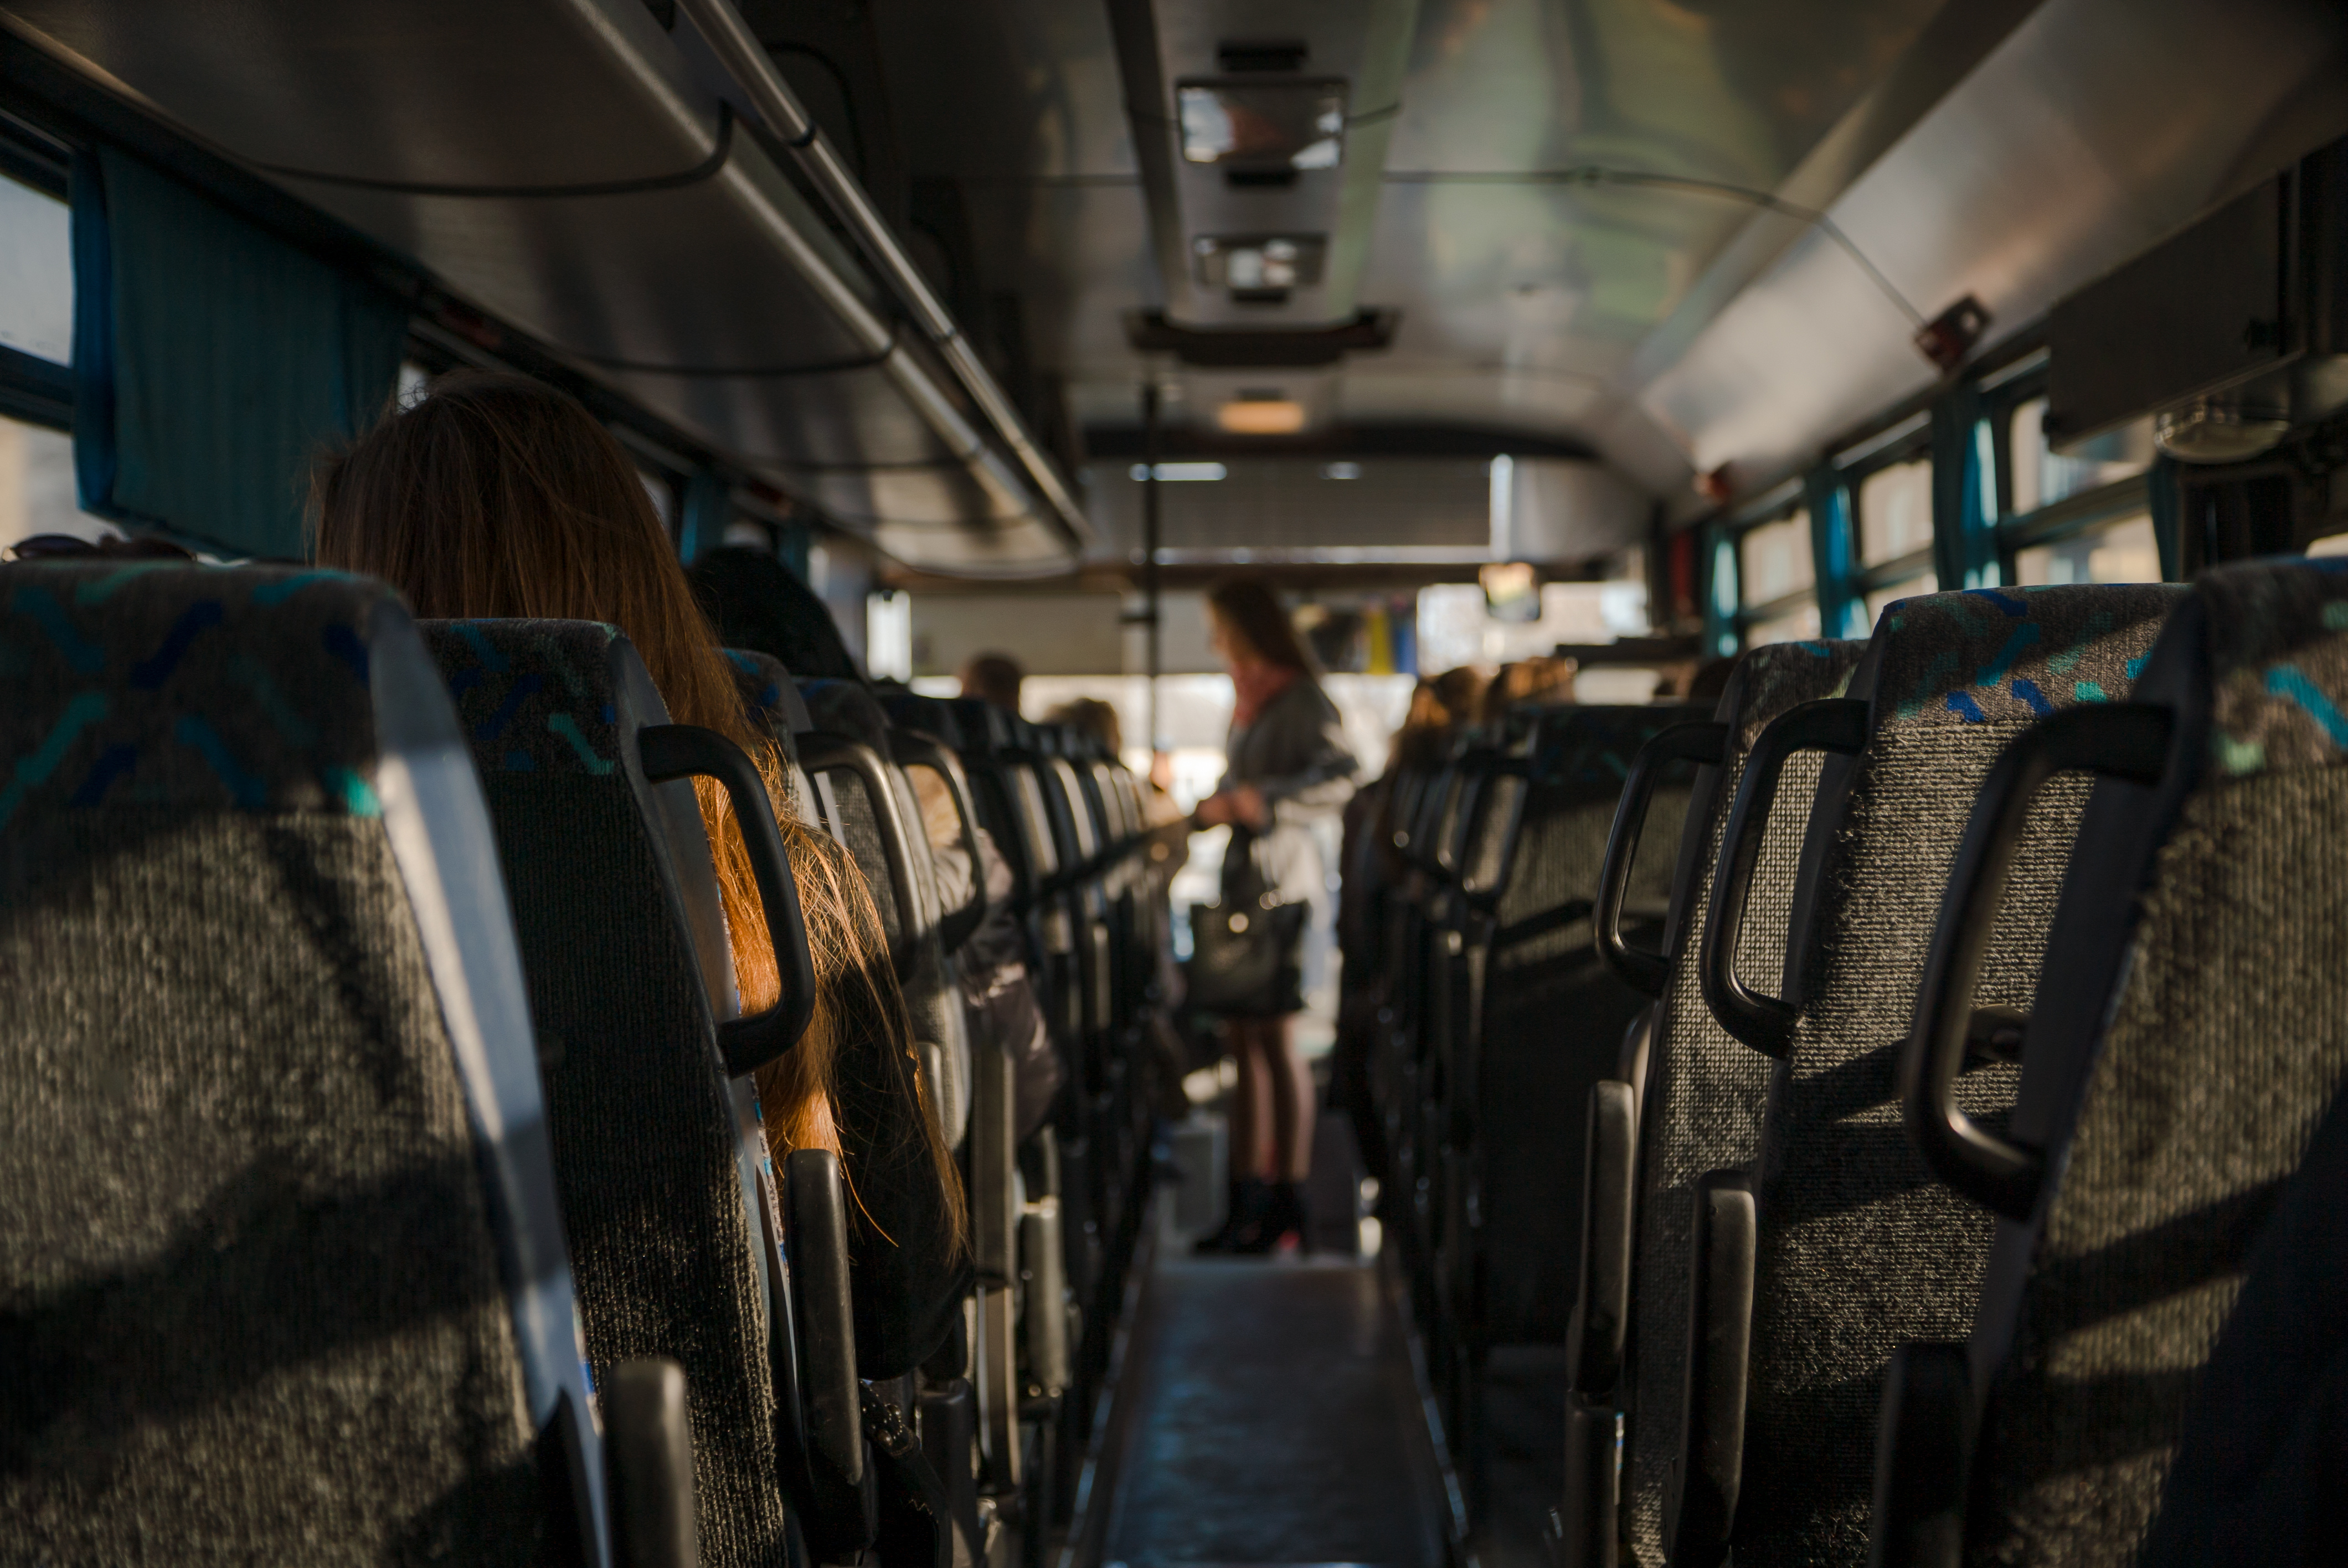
(1287, 765)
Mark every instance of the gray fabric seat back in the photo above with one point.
(624, 941)
(1546, 1018)
(1700, 1107)
(2190, 1034)
(281, 1265)
(1859, 1249)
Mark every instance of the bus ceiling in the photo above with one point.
(1667, 239)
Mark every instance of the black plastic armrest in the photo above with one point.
(1644, 972)
(1603, 1313)
(839, 1513)
(1923, 1452)
(1762, 1021)
(912, 750)
(648, 1446)
(2119, 740)
(1720, 1337)
(821, 752)
(1586, 1520)
(686, 751)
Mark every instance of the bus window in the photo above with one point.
(36, 486)
(36, 273)
(1774, 559)
(2121, 550)
(1799, 624)
(1895, 512)
(2043, 476)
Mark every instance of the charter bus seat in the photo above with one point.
(874, 812)
(1408, 1075)
(1696, 1108)
(1810, 1266)
(679, 1234)
(2262, 1449)
(2189, 1032)
(1545, 1021)
(283, 1266)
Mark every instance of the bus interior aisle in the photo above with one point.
(1271, 1415)
(1174, 783)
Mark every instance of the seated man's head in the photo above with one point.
(994, 677)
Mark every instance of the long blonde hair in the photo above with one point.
(498, 497)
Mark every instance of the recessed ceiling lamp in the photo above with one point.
(2214, 430)
(1258, 415)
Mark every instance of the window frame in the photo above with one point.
(2004, 390)
(1778, 505)
(33, 390)
(1904, 441)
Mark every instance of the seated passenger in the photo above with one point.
(497, 496)
(994, 677)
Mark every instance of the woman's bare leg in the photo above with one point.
(1253, 1138)
(1293, 1101)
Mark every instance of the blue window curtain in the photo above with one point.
(708, 508)
(1841, 612)
(1964, 492)
(212, 361)
(1720, 635)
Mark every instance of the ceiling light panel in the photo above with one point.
(1243, 126)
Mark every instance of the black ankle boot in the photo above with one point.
(1282, 1215)
(1242, 1221)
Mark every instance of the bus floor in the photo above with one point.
(1274, 1419)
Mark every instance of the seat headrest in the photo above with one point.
(933, 716)
(2008, 654)
(767, 687)
(847, 708)
(176, 684)
(2277, 643)
(543, 696)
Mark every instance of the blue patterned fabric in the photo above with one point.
(166, 684)
(2279, 665)
(522, 693)
(2011, 653)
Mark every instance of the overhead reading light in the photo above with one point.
(2219, 430)
(1262, 128)
(1260, 264)
(1176, 473)
(1260, 415)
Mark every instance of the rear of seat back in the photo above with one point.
(282, 1267)
(2193, 1029)
(623, 941)
(1859, 1250)
(1553, 1016)
(1700, 1108)
(848, 708)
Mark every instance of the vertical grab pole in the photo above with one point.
(1149, 434)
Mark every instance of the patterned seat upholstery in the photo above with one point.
(1858, 1249)
(1700, 1107)
(281, 1267)
(2190, 1034)
(624, 942)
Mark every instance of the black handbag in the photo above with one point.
(1246, 951)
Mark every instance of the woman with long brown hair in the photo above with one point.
(1287, 764)
(498, 496)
